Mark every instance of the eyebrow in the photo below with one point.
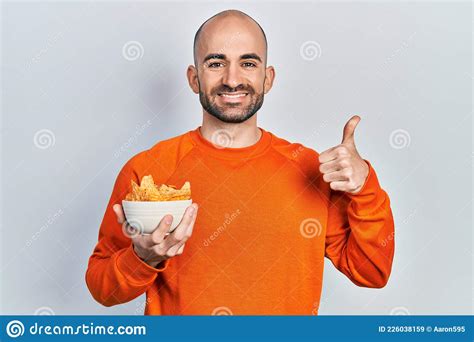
(222, 56)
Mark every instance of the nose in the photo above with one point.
(232, 77)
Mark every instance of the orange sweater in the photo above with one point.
(266, 221)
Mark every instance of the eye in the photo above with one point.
(249, 64)
(214, 64)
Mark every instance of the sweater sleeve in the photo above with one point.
(360, 239)
(115, 274)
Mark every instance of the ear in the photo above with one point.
(192, 75)
(269, 77)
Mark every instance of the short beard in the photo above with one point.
(219, 112)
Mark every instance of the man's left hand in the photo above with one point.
(342, 166)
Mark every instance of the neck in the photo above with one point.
(239, 134)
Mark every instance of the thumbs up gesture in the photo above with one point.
(342, 166)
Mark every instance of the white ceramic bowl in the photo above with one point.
(145, 216)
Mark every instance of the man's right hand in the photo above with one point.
(158, 246)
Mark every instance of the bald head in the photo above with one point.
(231, 24)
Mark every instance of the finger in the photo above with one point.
(117, 208)
(180, 232)
(336, 176)
(159, 233)
(178, 248)
(345, 186)
(339, 151)
(331, 166)
(190, 229)
(339, 186)
(349, 128)
(335, 165)
(328, 155)
(174, 250)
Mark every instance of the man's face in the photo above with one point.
(231, 104)
(231, 70)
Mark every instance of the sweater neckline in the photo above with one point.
(232, 153)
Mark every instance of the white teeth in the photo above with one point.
(233, 96)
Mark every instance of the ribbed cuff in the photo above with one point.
(135, 269)
(368, 197)
(371, 183)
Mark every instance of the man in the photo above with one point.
(269, 210)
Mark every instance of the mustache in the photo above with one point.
(227, 89)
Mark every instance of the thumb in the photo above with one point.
(119, 213)
(349, 128)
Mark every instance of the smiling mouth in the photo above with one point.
(232, 95)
